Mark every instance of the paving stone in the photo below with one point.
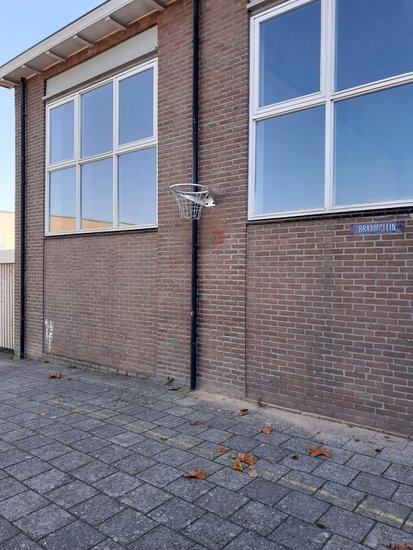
(408, 525)
(10, 487)
(335, 472)
(150, 447)
(268, 470)
(226, 477)
(273, 438)
(248, 540)
(107, 431)
(385, 511)
(90, 444)
(108, 544)
(8, 458)
(303, 463)
(71, 494)
(21, 542)
(300, 481)
(297, 444)
(302, 506)
(134, 464)
(28, 468)
(44, 521)
(197, 463)
(5, 446)
(145, 498)
(340, 456)
(258, 517)
(78, 535)
(92, 472)
(401, 473)
(271, 453)
(347, 524)
(47, 481)
(403, 495)
(111, 453)
(206, 450)
(375, 485)
(215, 435)
(189, 489)
(162, 538)
(338, 543)
(264, 491)
(404, 457)
(48, 452)
(331, 438)
(22, 504)
(127, 526)
(71, 461)
(221, 501)
(70, 436)
(7, 530)
(126, 439)
(300, 535)
(170, 421)
(363, 447)
(176, 513)
(117, 484)
(174, 457)
(160, 475)
(300, 431)
(16, 435)
(382, 535)
(341, 496)
(97, 509)
(222, 423)
(367, 464)
(212, 531)
(33, 442)
(184, 441)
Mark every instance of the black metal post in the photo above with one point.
(195, 134)
(22, 212)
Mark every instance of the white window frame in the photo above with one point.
(326, 97)
(118, 149)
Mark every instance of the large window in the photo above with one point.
(331, 124)
(101, 156)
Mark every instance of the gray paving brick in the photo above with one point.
(22, 504)
(185, 441)
(297, 444)
(302, 506)
(367, 464)
(170, 421)
(160, 475)
(331, 438)
(335, 472)
(16, 435)
(71, 494)
(404, 495)
(381, 536)
(231, 479)
(339, 543)
(33, 442)
(300, 481)
(117, 484)
(78, 535)
(385, 511)
(126, 439)
(248, 540)
(150, 447)
(90, 444)
(258, 517)
(300, 535)
(10, 487)
(44, 521)
(176, 513)
(71, 461)
(189, 489)
(363, 447)
(48, 452)
(47, 481)
(111, 453)
(174, 457)
(5, 446)
(162, 538)
(301, 462)
(221, 501)
(108, 544)
(197, 463)
(127, 526)
(108, 431)
(145, 498)
(339, 495)
(264, 491)
(92, 472)
(408, 525)
(8, 458)
(347, 524)
(21, 542)
(97, 509)
(215, 435)
(375, 485)
(268, 470)
(401, 473)
(135, 464)
(271, 453)
(212, 531)
(70, 436)
(404, 456)
(28, 468)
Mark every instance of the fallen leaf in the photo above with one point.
(195, 423)
(243, 412)
(401, 546)
(265, 430)
(237, 466)
(313, 451)
(295, 456)
(253, 473)
(56, 375)
(174, 388)
(75, 410)
(198, 474)
(247, 458)
(44, 414)
(221, 449)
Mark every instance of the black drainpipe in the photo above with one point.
(22, 211)
(195, 133)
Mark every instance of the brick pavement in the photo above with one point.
(96, 461)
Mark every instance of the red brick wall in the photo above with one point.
(330, 320)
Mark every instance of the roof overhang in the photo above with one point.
(109, 17)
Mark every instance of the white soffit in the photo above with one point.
(137, 46)
(109, 17)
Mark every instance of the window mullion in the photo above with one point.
(114, 155)
(329, 60)
(78, 123)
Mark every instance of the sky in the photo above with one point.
(23, 24)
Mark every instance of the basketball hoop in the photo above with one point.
(191, 199)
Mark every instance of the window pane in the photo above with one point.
(136, 107)
(373, 157)
(137, 188)
(290, 162)
(374, 40)
(97, 195)
(62, 132)
(62, 201)
(97, 115)
(290, 55)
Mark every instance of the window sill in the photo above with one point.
(116, 231)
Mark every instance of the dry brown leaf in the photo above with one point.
(247, 458)
(295, 456)
(221, 449)
(265, 430)
(253, 473)
(314, 451)
(401, 546)
(75, 410)
(243, 412)
(174, 388)
(56, 375)
(197, 474)
(237, 466)
(195, 423)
